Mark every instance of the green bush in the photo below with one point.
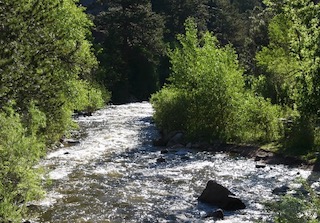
(171, 109)
(85, 96)
(19, 152)
(206, 96)
(257, 120)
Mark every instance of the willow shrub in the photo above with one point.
(19, 152)
(206, 96)
(257, 120)
(171, 106)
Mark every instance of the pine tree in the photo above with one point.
(131, 35)
(177, 11)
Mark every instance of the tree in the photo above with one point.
(44, 47)
(176, 12)
(242, 24)
(131, 46)
(292, 60)
(45, 74)
(206, 97)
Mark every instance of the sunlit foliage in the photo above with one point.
(292, 65)
(45, 74)
(206, 95)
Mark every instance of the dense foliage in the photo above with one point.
(44, 50)
(19, 151)
(130, 45)
(291, 65)
(244, 71)
(130, 37)
(206, 96)
(45, 67)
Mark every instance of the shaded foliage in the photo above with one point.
(131, 45)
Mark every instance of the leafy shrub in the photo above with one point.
(84, 96)
(257, 120)
(171, 109)
(19, 151)
(206, 95)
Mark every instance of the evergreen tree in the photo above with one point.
(177, 11)
(235, 22)
(131, 42)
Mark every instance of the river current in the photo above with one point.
(113, 175)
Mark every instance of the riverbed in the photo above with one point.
(114, 175)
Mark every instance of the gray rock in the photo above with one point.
(177, 138)
(161, 160)
(220, 196)
(280, 190)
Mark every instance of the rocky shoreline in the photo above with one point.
(262, 156)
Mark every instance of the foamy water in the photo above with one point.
(113, 176)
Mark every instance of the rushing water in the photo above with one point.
(113, 175)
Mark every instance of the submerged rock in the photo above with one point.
(220, 196)
(169, 139)
(164, 151)
(217, 214)
(280, 190)
(161, 160)
(260, 165)
(71, 141)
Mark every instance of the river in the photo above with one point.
(113, 175)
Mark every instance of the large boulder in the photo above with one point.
(220, 196)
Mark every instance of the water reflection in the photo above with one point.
(113, 176)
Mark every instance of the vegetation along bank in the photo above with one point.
(243, 72)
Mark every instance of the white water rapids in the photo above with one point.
(113, 176)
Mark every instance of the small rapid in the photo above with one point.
(113, 175)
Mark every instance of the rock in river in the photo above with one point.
(220, 196)
(217, 214)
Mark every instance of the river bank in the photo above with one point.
(115, 174)
(264, 155)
